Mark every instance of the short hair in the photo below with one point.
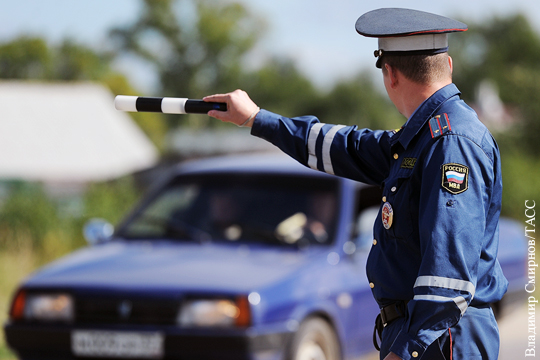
(422, 69)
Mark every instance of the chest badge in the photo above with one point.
(408, 163)
(387, 215)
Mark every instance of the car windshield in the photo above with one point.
(270, 209)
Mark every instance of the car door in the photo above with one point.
(356, 300)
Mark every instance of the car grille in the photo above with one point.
(126, 310)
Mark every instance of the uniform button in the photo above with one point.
(393, 189)
(371, 285)
(374, 241)
(384, 198)
(414, 354)
(396, 156)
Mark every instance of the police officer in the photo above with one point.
(432, 267)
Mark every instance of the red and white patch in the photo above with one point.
(387, 215)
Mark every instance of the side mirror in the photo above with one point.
(96, 231)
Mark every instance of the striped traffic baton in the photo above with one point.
(166, 105)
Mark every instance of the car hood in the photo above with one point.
(166, 266)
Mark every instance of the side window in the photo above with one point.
(368, 200)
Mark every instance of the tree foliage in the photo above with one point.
(25, 58)
(280, 87)
(505, 51)
(33, 58)
(196, 47)
(283, 89)
(358, 102)
(205, 53)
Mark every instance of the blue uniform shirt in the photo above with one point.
(437, 229)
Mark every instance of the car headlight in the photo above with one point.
(43, 307)
(215, 313)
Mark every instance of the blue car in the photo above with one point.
(252, 257)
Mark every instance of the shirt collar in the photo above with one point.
(423, 113)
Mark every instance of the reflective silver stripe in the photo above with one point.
(448, 283)
(460, 301)
(173, 105)
(312, 141)
(327, 144)
(461, 304)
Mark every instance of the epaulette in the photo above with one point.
(439, 125)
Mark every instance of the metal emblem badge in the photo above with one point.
(387, 215)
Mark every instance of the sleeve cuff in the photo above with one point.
(406, 347)
(265, 124)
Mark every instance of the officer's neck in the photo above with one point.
(412, 94)
(406, 94)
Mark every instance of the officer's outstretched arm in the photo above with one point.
(340, 150)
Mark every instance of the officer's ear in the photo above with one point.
(451, 64)
(392, 75)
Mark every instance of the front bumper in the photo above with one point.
(47, 341)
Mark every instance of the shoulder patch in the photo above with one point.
(455, 178)
(439, 125)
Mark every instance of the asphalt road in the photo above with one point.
(513, 327)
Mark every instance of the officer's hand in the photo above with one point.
(392, 356)
(239, 107)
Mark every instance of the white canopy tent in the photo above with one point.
(67, 133)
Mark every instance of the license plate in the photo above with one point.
(117, 344)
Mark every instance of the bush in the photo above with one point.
(30, 218)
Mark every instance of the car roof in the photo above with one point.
(258, 163)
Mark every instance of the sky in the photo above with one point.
(319, 35)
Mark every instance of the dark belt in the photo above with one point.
(388, 314)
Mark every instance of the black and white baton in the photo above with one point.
(166, 105)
